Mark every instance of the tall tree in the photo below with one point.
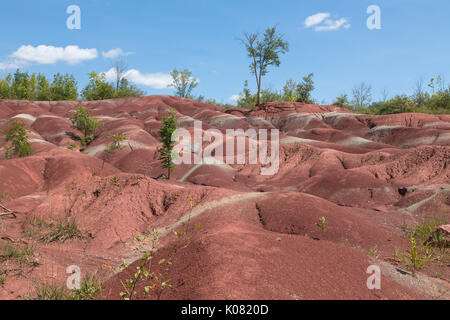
(183, 83)
(305, 87)
(264, 52)
(362, 96)
(98, 88)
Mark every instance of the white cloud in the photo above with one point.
(43, 54)
(234, 97)
(333, 25)
(12, 64)
(157, 80)
(322, 22)
(115, 53)
(316, 19)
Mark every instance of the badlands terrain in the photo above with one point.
(251, 236)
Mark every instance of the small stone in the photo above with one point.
(278, 239)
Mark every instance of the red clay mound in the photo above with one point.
(299, 213)
(22, 176)
(352, 188)
(236, 258)
(367, 175)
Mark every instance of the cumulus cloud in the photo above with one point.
(316, 19)
(43, 54)
(157, 80)
(115, 53)
(234, 97)
(322, 22)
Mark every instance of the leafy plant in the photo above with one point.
(166, 131)
(157, 281)
(17, 135)
(115, 181)
(321, 224)
(82, 121)
(90, 288)
(114, 146)
(416, 258)
(141, 270)
(73, 146)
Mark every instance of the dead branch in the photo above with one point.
(8, 211)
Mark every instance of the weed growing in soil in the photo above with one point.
(115, 181)
(321, 224)
(17, 135)
(45, 291)
(23, 254)
(90, 289)
(423, 230)
(4, 196)
(62, 231)
(35, 228)
(421, 250)
(415, 258)
(113, 146)
(373, 252)
(2, 277)
(157, 281)
(73, 146)
(48, 232)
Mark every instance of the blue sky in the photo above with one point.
(201, 35)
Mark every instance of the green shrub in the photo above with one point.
(82, 121)
(17, 135)
(343, 102)
(169, 125)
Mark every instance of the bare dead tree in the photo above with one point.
(120, 68)
(419, 92)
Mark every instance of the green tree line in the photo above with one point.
(36, 86)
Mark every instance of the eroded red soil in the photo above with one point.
(367, 175)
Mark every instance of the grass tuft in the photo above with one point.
(62, 231)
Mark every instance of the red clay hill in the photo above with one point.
(251, 236)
